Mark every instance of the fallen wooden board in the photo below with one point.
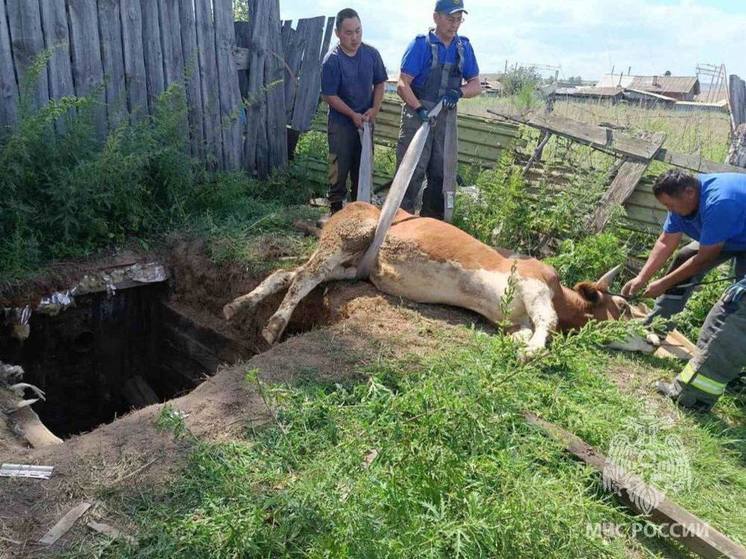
(677, 346)
(614, 143)
(695, 534)
(596, 136)
(110, 531)
(64, 525)
(621, 189)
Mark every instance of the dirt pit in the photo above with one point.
(172, 336)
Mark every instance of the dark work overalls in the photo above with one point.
(442, 78)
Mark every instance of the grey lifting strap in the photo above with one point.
(396, 193)
(365, 180)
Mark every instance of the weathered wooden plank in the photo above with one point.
(623, 186)
(696, 163)
(27, 43)
(57, 38)
(604, 139)
(309, 79)
(152, 51)
(698, 536)
(190, 55)
(135, 74)
(88, 69)
(8, 84)
(293, 58)
(173, 61)
(209, 83)
(256, 152)
(65, 524)
(616, 144)
(230, 96)
(275, 72)
(287, 27)
(737, 153)
(328, 34)
(737, 101)
(112, 54)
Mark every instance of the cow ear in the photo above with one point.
(589, 292)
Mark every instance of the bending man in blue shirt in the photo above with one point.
(438, 65)
(352, 82)
(711, 209)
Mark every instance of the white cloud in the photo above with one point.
(585, 37)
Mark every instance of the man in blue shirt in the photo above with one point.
(711, 209)
(440, 65)
(352, 83)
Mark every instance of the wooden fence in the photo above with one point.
(482, 141)
(279, 72)
(125, 54)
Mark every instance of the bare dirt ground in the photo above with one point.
(354, 326)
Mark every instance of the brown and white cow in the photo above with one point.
(429, 261)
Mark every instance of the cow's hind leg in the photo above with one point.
(323, 266)
(279, 281)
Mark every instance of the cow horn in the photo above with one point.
(605, 282)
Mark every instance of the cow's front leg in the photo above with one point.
(279, 281)
(322, 267)
(537, 299)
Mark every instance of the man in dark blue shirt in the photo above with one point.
(352, 83)
(440, 65)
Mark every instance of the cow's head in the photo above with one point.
(602, 305)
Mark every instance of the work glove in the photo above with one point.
(451, 98)
(736, 292)
(423, 114)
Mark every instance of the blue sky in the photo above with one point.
(584, 37)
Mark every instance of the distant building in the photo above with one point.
(680, 88)
(491, 87)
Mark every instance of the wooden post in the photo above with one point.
(293, 44)
(135, 76)
(309, 85)
(57, 37)
(737, 101)
(170, 23)
(8, 84)
(275, 76)
(88, 70)
(27, 41)
(630, 173)
(737, 154)
(112, 51)
(152, 51)
(327, 37)
(536, 156)
(230, 96)
(190, 55)
(209, 82)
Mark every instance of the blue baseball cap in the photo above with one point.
(450, 6)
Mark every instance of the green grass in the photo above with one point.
(457, 471)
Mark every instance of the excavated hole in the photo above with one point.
(106, 356)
